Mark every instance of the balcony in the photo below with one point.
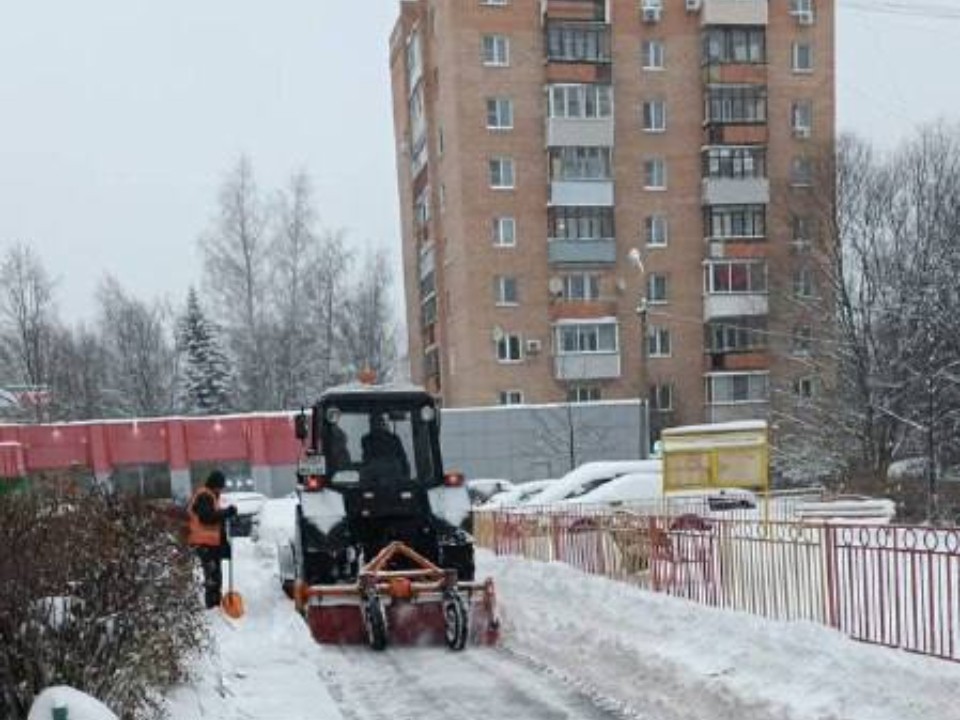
(582, 192)
(587, 132)
(736, 191)
(592, 252)
(731, 413)
(719, 305)
(734, 12)
(587, 366)
(589, 10)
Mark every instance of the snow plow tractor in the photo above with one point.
(381, 553)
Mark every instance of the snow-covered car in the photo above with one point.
(590, 476)
(482, 489)
(249, 506)
(519, 494)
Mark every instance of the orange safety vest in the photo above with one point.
(201, 534)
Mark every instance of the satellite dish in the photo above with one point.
(497, 333)
(555, 286)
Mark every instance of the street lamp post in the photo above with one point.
(642, 312)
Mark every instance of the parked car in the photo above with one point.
(249, 506)
(482, 489)
(590, 476)
(519, 494)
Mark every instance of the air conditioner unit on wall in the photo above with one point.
(694, 5)
(804, 17)
(534, 347)
(801, 131)
(651, 10)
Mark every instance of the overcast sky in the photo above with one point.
(119, 118)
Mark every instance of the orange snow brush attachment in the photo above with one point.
(232, 602)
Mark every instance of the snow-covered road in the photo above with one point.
(575, 647)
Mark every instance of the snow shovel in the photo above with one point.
(232, 601)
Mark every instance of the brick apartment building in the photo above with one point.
(539, 142)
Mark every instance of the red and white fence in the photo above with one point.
(895, 586)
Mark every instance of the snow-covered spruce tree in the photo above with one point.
(205, 377)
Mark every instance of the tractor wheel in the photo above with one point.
(375, 621)
(456, 621)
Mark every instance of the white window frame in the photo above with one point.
(709, 277)
(652, 280)
(801, 172)
(584, 330)
(653, 51)
(651, 173)
(801, 341)
(657, 393)
(589, 282)
(801, 118)
(712, 378)
(805, 388)
(581, 394)
(501, 284)
(499, 51)
(570, 101)
(653, 116)
(497, 166)
(500, 235)
(795, 58)
(505, 346)
(500, 110)
(804, 284)
(659, 342)
(657, 231)
(511, 397)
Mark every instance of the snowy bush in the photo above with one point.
(96, 592)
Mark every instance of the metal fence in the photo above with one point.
(894, 586)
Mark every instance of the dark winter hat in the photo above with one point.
(216, 480)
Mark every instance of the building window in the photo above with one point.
(802, 10)
(801, 172)
(802, 57)
(583, 394)
(571, 42)
(737, 334)
(414, 61)
(737, 163)
(577, 338)
(501, 173)
(496, 50)
(653, 54)
(737, 388)
(509, 348)
(732, 277)
(801, 118)
(656, 230)
(737, 104)
(661, 397)
(726, 222)
(580, 223)
(581, 163)
(655, 174)
(511, 397)
(654, 116)
(440, 145)
(505, 290)
(658, 342)
(581, 102)
(722, 45)
(801, 342)
(804, 287)
(504, 232)
(657, 288)
(499, 113)
(804, 388)
(581, 287)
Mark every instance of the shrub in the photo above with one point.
(97, 591)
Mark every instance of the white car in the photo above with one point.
(482, 489)
(590, 476)
(520, 494)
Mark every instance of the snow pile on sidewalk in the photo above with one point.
(674, 659)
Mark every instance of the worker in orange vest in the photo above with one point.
(208, 535)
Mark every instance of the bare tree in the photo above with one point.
(136, 337)
(28, 319)
(236, 263)
(368, 328)
(80, 383)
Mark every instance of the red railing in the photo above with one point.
(894, 586)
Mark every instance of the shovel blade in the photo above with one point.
(232, 605)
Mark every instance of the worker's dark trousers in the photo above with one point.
(212, 574)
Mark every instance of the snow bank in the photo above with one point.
(674, 659)
(78, 705)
